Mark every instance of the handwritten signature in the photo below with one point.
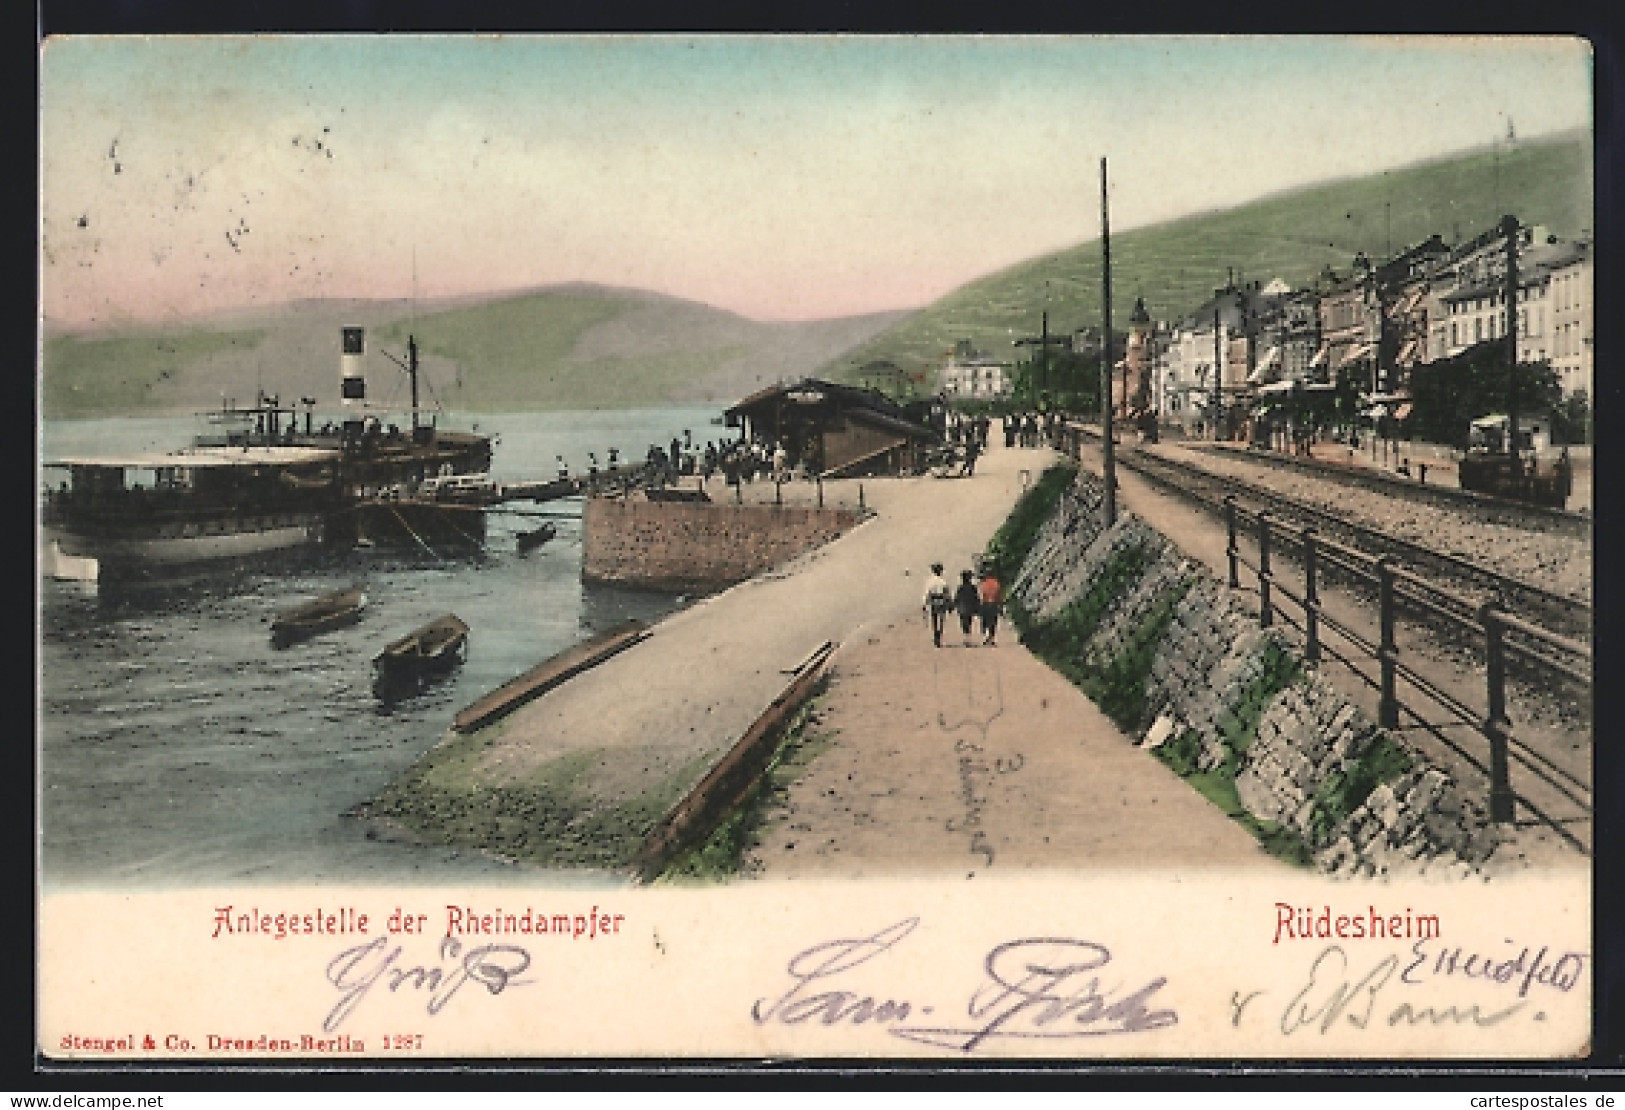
(355, 971)
(1037, 988)
(1338, 996)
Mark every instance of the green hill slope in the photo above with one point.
(567, 347)
(1177, 265)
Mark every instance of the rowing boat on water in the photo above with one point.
(433, 649)
(528, 540)
(334, 610)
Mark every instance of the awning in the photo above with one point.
(1359, 351)
(1375, 412)
(1277, 388)
(1402, 412)
(1407, 353)
(1320, 357)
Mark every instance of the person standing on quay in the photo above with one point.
(966, 603)
(937, 602)
(992, 596)
(972, 451)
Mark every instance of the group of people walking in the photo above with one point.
(1030, 429)
(977, 596)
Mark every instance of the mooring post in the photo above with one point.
(1388, 650)
(1311, 600)
(1496, 725)
(820, 491)
(778, 492)
(860, 497)
(1231, 551)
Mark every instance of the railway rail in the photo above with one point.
(1567, 616)
(1491, 509)
(1552, 782)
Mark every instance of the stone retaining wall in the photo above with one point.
(689, 546)
(1237, 700)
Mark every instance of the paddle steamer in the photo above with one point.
(261, 480)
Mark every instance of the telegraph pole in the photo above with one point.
(1106, 448)
(1043, 353)
(1218, 373)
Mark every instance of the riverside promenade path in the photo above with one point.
(1071, 791)
(977, 760)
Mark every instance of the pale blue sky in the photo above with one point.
(784, 177)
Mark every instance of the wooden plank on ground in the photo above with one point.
(547, 674)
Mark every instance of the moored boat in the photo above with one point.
(528, 540)
(335, 610)
(421, 654)
(257, 483)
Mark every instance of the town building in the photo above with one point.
(974, 374)
(834, 430)
(1572, 312)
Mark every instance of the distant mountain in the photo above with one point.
(570, 346)
(589, 346)
(1293, 235)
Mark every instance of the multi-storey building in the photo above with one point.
(1571, 313)
(972, 374)
(1193, 369)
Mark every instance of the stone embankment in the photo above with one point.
(699, 545)
(1161, 645)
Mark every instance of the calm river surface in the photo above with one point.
(177, 748)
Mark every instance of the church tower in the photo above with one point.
(1137, 360)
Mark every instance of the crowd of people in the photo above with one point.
(737, 460)
(1031, 429)
(745, 459)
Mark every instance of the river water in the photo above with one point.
(177, 748)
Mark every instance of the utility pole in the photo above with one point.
(1218, 372)
(1041, 361)
(1110, 459)
(1509, 225)
(1043, 353)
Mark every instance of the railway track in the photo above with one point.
(1552, 783)
(1490, 509)
(1559, 613)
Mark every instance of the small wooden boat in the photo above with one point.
(334, 610)
(419, 655)
(528, 540)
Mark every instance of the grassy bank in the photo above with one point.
(722, 854)
(1009, 547)
(551, 816)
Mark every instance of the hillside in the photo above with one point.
(576, 346)
(1293, 236)
(583, 346)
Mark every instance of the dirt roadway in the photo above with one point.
(981, 760)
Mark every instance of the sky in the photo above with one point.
(782, 178)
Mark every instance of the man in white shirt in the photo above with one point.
(937, 601)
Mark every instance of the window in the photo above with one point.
(1478, 328)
